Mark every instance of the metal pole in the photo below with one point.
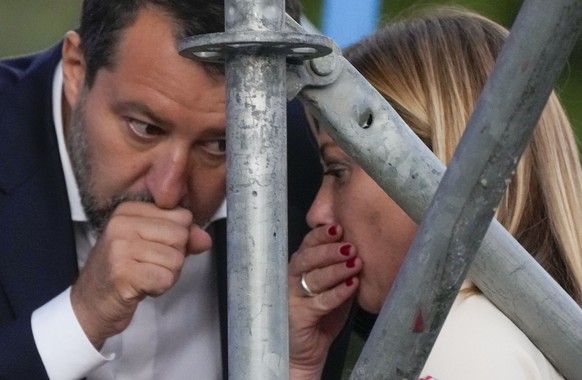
(255, 50)
(257, 198)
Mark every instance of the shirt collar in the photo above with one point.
(220, 213)
(77, 211)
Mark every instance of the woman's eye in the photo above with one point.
(143, 129)
(217, 147)
(334, 170)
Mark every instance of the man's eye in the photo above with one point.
(217, 146)
(143, 129)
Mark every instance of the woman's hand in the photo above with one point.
(328, 269)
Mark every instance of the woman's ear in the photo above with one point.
(73, 68)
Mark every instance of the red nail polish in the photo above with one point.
(332, 230)
(345, 250)
(350, 281)
(351, 262)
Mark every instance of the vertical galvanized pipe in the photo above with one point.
(257, 198)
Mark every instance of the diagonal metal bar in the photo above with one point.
(409, 173)
(472, 186)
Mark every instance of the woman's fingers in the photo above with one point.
(313, 257)
(322, 235)
(336, 296)
(322, 262)
(322, 279)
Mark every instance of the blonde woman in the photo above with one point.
(432, 68)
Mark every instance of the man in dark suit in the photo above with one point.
(111, 146)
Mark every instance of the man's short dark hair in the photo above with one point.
(103, 22)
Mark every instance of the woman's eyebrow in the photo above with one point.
(325, 147)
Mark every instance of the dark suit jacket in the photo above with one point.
(37, 245)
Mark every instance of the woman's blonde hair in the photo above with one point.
(432, 68)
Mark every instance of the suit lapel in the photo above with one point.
(38, 258)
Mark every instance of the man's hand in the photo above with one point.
(140, 253)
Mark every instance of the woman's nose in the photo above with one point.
(321, 211)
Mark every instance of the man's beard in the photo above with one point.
(98, 212)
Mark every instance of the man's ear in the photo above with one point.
(73, 68)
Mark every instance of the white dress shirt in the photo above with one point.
(174, 336)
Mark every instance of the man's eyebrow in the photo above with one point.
(141, 109)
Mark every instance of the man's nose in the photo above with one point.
(167, 179)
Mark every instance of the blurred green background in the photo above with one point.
(31, 25)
